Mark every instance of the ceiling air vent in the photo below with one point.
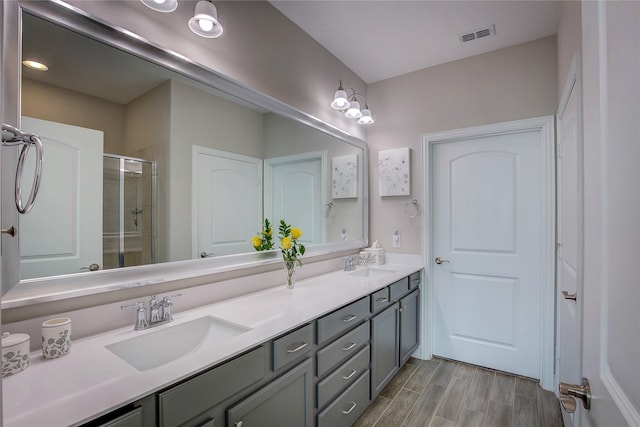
(477, 34)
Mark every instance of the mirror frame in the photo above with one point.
(61, 287)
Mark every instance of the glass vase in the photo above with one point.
(290, 269)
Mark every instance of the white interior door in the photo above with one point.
(294, 191)
(69, 205)
(569, 226)
(611, 93)
(226, 202)
(491, 228)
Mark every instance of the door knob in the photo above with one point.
(582, 392)
(92, 267)
(439, 260)
(11, 231)
(204, 254)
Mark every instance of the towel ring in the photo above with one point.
(326, 209)
(26, 140)
(412, 208)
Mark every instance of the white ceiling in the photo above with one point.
(382, 39)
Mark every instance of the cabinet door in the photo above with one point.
(409, 338)
(384, 348)
(286, 401)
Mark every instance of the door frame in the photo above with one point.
(572, 85)
(546, 126)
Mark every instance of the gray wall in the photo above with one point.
(43, 101)
(508, 84)
(569, 39)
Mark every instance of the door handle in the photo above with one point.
(567, 295)
(582, 392)
(204, 254)
(11, 231)
(439, 260)
(92, 267)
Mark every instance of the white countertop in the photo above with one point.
(91, 381)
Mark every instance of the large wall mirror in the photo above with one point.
(150, 164)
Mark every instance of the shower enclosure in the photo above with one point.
(129, 211)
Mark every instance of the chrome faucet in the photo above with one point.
(159, 312)
(351, 262)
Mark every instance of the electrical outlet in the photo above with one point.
(396, 239)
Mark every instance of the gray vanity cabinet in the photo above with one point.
(385, 360)
(323, 373)
(409, 326)
(286, 401)
(196, 402)
(141, 413)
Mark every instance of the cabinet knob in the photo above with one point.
(238, 423)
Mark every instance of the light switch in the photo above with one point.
(396, 239)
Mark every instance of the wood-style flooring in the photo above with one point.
(444, 393)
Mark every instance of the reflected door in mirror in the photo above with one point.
(227, 202)
(63, 232)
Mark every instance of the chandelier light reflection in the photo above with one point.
(347, 102)
(204, 21)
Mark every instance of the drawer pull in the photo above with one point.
(349, 318)
(350, 346)
(381, 300)
(351, 374)
(298, 348)
(348, 411)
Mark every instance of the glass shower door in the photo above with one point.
(129, 210)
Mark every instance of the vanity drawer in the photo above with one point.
(399, 289)
(342, 348)
(133, 418)
(346, 409)
(184, 401)
(380, 300)
(292, 346)
(414, 280)
(332, 324)
(343, 376)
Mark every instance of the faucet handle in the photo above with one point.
(139, 305)
(167, 303)
(141, 317)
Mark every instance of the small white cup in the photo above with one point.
(56, 337)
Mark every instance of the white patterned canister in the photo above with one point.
(15, 353)
(56, 337)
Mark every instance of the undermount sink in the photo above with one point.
(170, 343)
(371, 272)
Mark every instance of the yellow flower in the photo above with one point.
(296, 233)
(268, 231)
(286, 243)
(257, 241)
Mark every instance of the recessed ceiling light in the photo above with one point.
(35, 65)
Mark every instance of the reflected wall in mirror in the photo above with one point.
(221, 164)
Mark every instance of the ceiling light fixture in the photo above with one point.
(165, 6)
(348, 104)
(35, 65)
(205, 20)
